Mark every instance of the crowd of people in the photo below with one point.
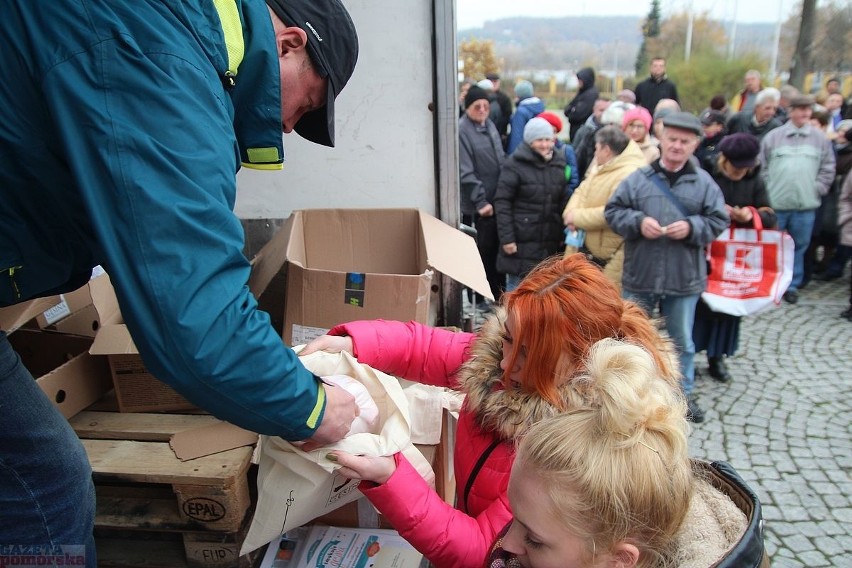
(652, 185)
(566, 380)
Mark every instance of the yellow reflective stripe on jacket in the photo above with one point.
(314, 417)
(251, 166)
(232, 28)
(11, 271)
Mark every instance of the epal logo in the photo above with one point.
(743, 263)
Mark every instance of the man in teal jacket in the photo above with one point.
(124, 124)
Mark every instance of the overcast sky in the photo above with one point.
(472, 13)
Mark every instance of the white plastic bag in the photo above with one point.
(295, 487)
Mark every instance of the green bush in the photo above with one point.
(706, 75)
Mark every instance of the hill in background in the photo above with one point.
(560, 46)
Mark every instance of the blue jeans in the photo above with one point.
(800, 225)
(47, 496)
(678, 313)
(512, 281)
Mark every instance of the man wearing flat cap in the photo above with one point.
(480, 158)
(667, 213)
(798, 166)
(124, 128)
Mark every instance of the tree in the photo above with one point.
(650, 29)
(708, 36)
(803, 56)
(834, 33)
(832, 43)
(708, 72)
(478, 57)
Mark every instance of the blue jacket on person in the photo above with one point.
(527, 109)
(120, 147)
(571, 172)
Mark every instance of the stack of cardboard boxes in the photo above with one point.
(330, 266)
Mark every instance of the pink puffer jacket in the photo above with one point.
(447, 536)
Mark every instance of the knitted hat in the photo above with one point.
(475, 93)
(486, 84)
(741, 149)
(626, 95)
(638, 113)
(553, 119)
(536, 129)
(523, 89)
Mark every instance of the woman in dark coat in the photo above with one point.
(581, 106)
(531, 193)
(737, 172)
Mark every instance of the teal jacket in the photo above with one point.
(119, 145)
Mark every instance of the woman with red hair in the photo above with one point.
(517, 370)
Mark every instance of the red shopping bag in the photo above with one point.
(750, 269)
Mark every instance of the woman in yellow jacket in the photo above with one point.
(617, 157)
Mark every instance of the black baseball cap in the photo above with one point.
(333, 48)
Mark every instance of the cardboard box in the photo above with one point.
(352, 264)
(75, 312)
(70, 377)
(136, 389)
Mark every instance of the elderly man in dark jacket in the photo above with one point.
(667, 213)
(480, 158)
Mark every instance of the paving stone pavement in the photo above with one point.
(785, 423)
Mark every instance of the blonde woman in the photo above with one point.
(609, 482)
(617, 157)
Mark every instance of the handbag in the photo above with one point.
(750, 269)
(295, 487)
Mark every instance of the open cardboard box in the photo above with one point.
(136, 389)
(70, 377)
(73, 312)
(352, 264)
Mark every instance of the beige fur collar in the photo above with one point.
(713, 525)
(507, 413)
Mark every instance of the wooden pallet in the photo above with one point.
(154, 510)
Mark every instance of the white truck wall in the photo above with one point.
(385, 131)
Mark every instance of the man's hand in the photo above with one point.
(568, 219)
(510, 248)
(651, 228)
(329, 343)
(678, 230)
(377, 469)
(340, 410)
(486, 211)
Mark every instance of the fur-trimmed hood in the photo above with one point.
(506, 413)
